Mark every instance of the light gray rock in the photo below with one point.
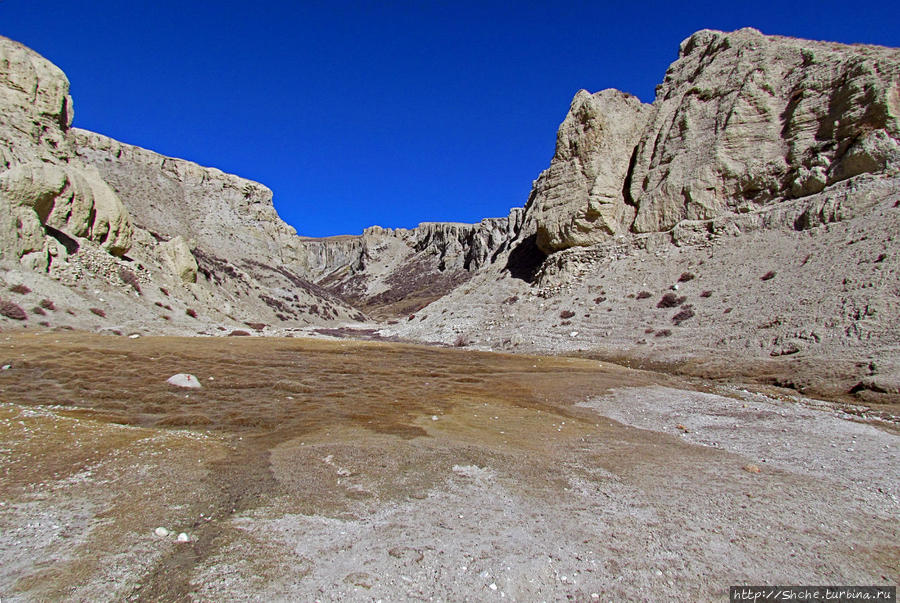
(184, 380)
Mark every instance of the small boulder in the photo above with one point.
(184, 380)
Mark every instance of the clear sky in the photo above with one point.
(388, 113)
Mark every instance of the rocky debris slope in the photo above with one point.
(754, 235)
(132, 240)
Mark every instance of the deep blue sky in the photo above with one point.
(393, 113)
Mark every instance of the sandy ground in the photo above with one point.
(308, 470)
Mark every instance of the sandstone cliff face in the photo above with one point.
(579, 199)
(743, 120)
(742, 123)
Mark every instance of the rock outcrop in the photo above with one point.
(579, 199)
(741, 124)
(743, 120)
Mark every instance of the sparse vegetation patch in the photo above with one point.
(20, 289)
(670, 300)
(12, 310)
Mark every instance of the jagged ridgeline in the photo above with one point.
(748, 134)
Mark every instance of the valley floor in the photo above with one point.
(347, 470)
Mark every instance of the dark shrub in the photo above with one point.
(461, 341)
(768, 276)
(39, 311)
(566, 314)
(727, 310)
(663, 333)
(191, 312)
(239, 333)
(706, 294)
(685, 277)
(98, 312)
(256, 326)
(130, 278)
(648, 330)
(511, 299)
(164, 291)
(46, 304)
(670, 300)
(643, 295)
(11, 310)
(682, 316)
(599, 300)
(20, 289)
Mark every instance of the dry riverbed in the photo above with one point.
(343, 470)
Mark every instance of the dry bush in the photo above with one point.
(164, 291)
(685, 277)
(12, 310)
(643, 295)
(239, 333)
(20, 289)
(727, 310)
(670, 300)
(682, 316)
(599, 300)
(566, 314)
(706, 294)
(768, 276)
(47, 304)
(511, 300)
(663, 333)
(130, 278)
(648, 330)
(256, 326)
(461, 341)
(191, 312)
(39, 311)
(98, 312)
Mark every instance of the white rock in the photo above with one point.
(161, 531)
(184, 380)
(184, 537)
(573, 334)
(133, 336)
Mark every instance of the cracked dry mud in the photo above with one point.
(362, 471)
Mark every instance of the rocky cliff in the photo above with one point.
(745, 223)
(131, 239)
(741, 124)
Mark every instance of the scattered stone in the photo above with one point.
(751, 468)
(183, 537)
(161, 531)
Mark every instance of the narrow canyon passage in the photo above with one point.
(341, 469)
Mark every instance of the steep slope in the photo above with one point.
(760, 196)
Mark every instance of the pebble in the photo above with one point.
(492, 586)
(161, 531)
(434, 417)
(184, 537)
